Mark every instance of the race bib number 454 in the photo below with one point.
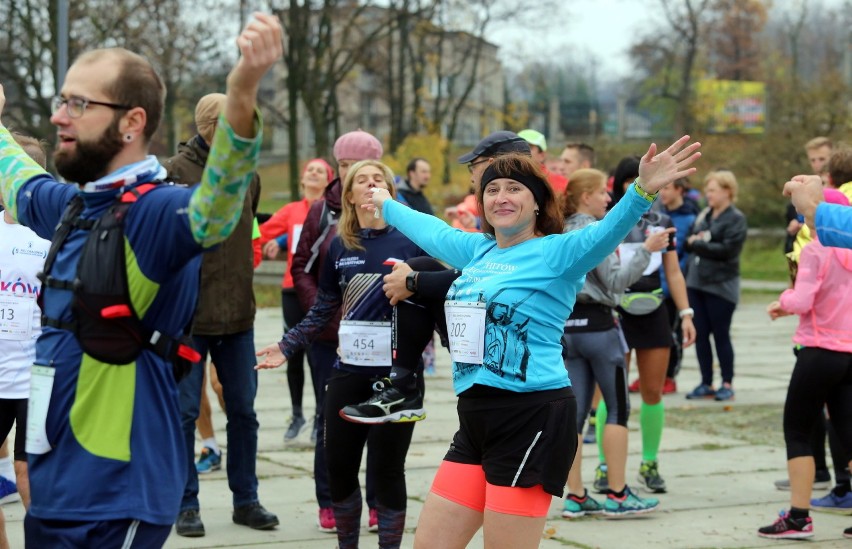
(466, 330)
(365, 343)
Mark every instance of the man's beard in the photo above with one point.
(90, 159)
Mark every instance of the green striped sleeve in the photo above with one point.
(16, 168)
(217, 202)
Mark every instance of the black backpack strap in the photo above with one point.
(70, 220)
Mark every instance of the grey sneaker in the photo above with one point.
(649, 477)
(297, 423)
(601, 483)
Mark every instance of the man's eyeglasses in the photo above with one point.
(76, 106)
(472, 165)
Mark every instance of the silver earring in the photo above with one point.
(128, 137)
(536, 212)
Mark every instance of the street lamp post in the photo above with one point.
(61, 42)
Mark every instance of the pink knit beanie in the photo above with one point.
(357, 145)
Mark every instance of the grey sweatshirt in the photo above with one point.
(606, 283)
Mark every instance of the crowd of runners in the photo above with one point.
(552, 277)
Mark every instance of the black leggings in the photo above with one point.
(344, 444)
(293, 314)
(416, 319)
(13, 411)
(820, 377)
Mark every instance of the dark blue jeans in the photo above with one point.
(713, 316)
(234, 358)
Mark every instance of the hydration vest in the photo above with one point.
(105, 323)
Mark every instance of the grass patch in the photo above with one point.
(763, 259)
(756, 424)
(267, 295)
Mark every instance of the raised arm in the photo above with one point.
(16, 166)
(216, 204)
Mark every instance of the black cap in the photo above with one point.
(496, 143)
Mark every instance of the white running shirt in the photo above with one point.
(22, 256)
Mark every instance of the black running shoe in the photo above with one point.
(387, 405)
(786, 527)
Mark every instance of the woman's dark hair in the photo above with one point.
(549, 219)
(626, 172)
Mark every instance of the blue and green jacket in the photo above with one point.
(115, 430)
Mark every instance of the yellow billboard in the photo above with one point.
(731, 106)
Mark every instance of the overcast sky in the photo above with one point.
(599, 30)
(581, 29)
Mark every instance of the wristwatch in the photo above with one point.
(411, 282)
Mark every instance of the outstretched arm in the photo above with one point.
(217, 202)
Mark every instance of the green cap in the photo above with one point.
(534, 138)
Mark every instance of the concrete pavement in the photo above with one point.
(720, 488)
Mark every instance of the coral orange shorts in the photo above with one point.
(466, 485)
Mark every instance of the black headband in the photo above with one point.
(537, 186)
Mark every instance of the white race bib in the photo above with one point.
(365, 343)
(41, 387)
(295, 235)
(16, 317)
(466, 330)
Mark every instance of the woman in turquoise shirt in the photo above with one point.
(505, 316)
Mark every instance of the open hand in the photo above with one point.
(658, 170)
(272, 357)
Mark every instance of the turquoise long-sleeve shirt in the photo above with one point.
(527, 290)
(834, 225)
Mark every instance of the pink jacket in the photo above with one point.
(822, 297)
